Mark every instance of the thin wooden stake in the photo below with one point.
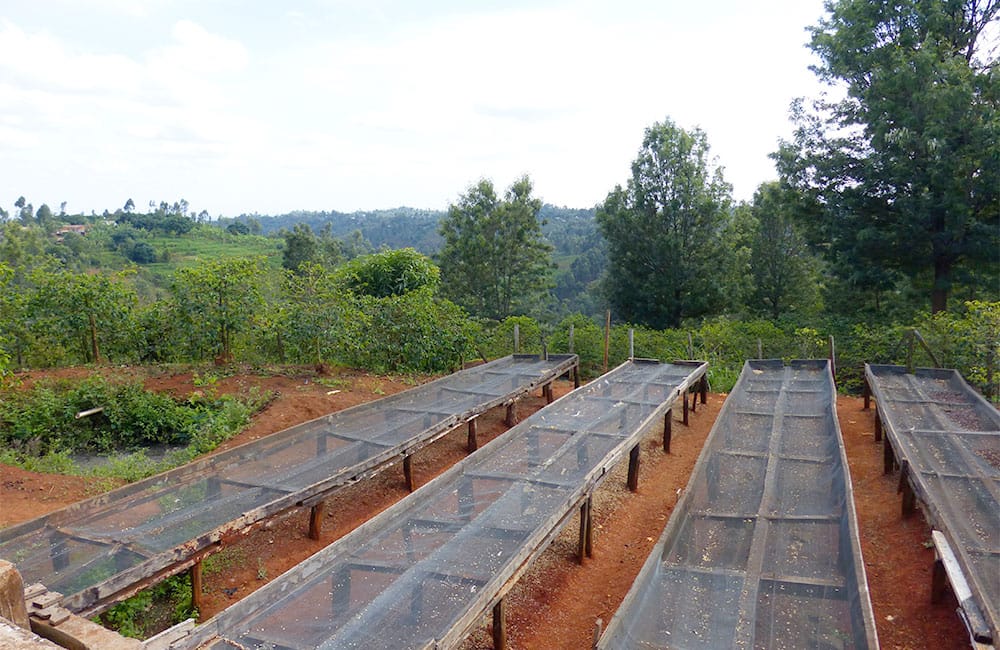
(685, 408)
(581, 549)
(668, 429)
(408, 472)
(633, 468)
(631, 343)
(576, 376)
(572, 331)
(511, 418)
(549, 395)
(704, 389)
(316, 520)
(517, 338)
(867, 392)
(607, 338)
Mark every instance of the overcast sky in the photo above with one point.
(268, 107)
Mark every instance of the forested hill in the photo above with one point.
(569, 230)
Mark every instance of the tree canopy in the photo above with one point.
(905, 168)
(665, 230)
(494, 260)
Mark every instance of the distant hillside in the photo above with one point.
(569, 230)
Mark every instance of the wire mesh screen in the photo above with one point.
(762, 550)
(949, 436)
(420, 573)
(162, 520)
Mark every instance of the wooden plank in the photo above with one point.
(950, 568)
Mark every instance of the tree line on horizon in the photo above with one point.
(887, 206)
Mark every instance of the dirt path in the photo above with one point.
(556, 604)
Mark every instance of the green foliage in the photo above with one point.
(39, 430)
(218, 299)
(781, 268)
(904, 171)
(413, 332)
(498, 340)
(968, 339)
(152, 610)
(494, 261)
(389, 273)
(300, 247)
(666, 253)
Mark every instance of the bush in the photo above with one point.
(39, 428)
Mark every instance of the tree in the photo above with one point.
(906, 167)
(389, 273)
(666, 249)
(92, 309)
(300, 247)
(494, 260)
(220, 297)
(780, 263)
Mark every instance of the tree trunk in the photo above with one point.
(93, 339)
(942, 285)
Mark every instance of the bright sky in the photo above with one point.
(268, 107)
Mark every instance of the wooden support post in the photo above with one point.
(473, 443)
(576, 377)
(316, 520)
(685, 408)
(500, 625)
(888, 458)
(704, 389)
(878, 426)
(408, 471)
(549, 395)
(694, 402)
(196, 586)
(581, 549)
(909, 497)
(867, 392)
(590, 526)
(668, 429)
(633, 468)
(511, 418)
(939, 581)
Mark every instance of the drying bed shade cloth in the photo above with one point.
(762, 549)
(423, 572)
(96, 549)
(949, 437)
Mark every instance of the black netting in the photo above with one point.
(949, 436)
(154, 523)
(421, 572)
(762, 550)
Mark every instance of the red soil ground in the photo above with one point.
(556, 604)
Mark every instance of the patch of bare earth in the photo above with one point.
(557, 602)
